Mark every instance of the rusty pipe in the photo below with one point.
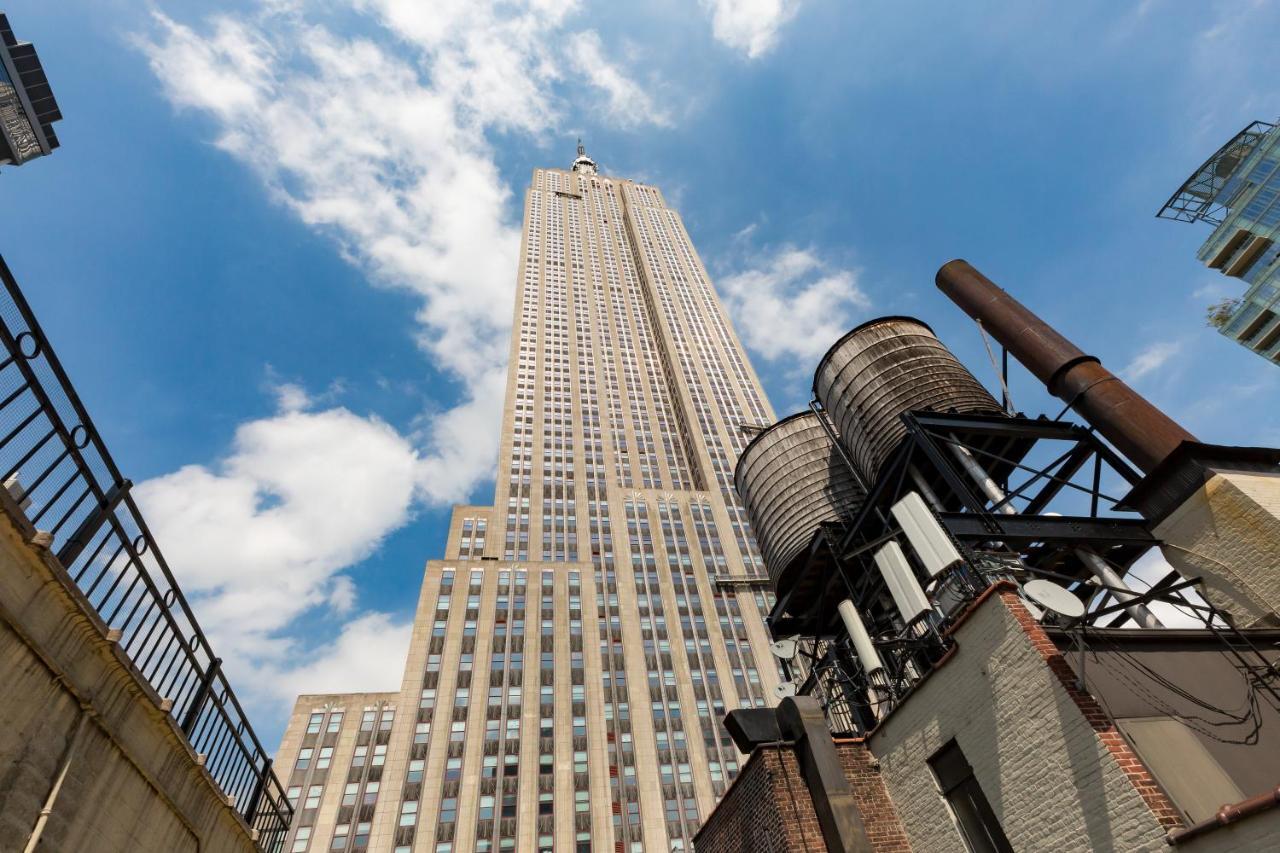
(1124, 417)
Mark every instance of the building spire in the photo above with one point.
(584, 163)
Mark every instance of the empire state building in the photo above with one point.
(576, 648)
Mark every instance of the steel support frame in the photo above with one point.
(927, 434)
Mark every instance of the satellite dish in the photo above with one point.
(1053, 598)
(785, 689)
(783, 649)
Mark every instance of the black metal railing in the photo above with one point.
(57, 468)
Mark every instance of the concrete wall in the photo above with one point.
(1052, 775)
(133, 784)
(1228, 533)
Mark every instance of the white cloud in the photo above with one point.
(367, 656)
(261, 538)
(1150, 360)
(627, 103)
(291, 397)
(342, 595)
(381, 144)
(791, 304)
(1214, 290)
(378, 141)
(750, 26)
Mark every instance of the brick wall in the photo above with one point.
(879, 816)
(1126, 759)
(768, 808)
(1053, 780)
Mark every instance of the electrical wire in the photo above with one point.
(1270, 667)
(1228, 569)
(1008, 398)
(1247, 714)
(1130, 577)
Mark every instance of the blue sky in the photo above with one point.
(277, 249)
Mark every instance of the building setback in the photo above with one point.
(575, 651)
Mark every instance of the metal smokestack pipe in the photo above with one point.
(1142, 432)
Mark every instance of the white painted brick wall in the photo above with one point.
(1051, 782)
(1228, 533)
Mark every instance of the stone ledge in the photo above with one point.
(57, 627)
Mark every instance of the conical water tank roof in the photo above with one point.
(884, 368)
(792, 479)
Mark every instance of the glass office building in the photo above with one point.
(27, 106)
(1237, 190)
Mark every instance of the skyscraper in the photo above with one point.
(27, 106)
(1238, 191)
(574, 652)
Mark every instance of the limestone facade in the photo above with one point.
(566, 679)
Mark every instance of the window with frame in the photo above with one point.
(978, 823)
(313, 797)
